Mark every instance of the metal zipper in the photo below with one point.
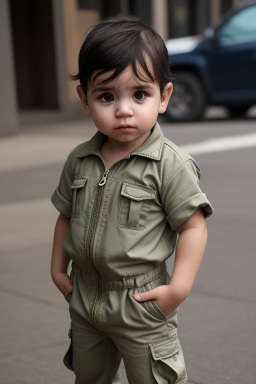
(104, 178)
(90, 242)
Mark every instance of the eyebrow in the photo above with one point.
(146, 86)
(111, 89)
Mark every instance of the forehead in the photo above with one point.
(128, 75)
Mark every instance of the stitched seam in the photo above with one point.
(138, 198)
(183, 202)
(139, 187)
(175, 172)
(174, 150)
(149, 155)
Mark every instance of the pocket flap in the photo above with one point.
(79, 182)
(165, 348)
(137, 192)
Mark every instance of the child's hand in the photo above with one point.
(166, 296)
(63, 283)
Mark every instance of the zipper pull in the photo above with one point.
(104, 179)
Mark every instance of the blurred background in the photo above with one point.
(41, 121)
(40, 41)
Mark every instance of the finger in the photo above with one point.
(145, 296)
(67, 283)
(69, 288)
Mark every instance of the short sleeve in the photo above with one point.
(62, 196)
(182, 195)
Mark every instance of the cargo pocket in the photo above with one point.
(134, 206)
(77, 195)
(167, 361)
(68, 358)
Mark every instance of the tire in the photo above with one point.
(238, 110)
(188, 101)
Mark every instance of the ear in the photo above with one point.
(83, 99)
(165, 97)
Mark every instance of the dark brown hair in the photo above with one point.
(119, 42)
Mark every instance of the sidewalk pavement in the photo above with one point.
(34, 318)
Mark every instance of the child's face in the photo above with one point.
(126, 108)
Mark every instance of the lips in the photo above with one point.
(125, 126)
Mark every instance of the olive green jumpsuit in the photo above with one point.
(123, 227)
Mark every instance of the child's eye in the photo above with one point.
(107, 97)
(139, 95)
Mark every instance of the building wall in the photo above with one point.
(76, 23)
(70, 21)
(8, 103)
(219, 7)
(34, 53)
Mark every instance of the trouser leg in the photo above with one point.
(159, 362)
(92, 355)
(146, 338)
(95, 357)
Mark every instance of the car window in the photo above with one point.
(240, 28)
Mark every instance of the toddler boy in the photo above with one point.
(124, 198)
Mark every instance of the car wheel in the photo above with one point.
(188, 101)
(238, 110)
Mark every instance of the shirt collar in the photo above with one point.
(152, 148)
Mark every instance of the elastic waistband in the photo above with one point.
(135, 281)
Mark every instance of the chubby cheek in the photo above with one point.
(99, 122)
(147, 124)
(102, 120)
(148, 118)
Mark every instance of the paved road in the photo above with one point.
(217, 322)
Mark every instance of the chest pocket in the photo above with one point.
(134, 207)
(77, 195)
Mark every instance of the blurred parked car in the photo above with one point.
(217, 68)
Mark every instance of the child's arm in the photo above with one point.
(189, 253)
(60, 259)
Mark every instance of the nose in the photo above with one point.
(124, 109)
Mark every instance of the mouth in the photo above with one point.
(125, 126)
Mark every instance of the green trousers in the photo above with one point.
(108, 324)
